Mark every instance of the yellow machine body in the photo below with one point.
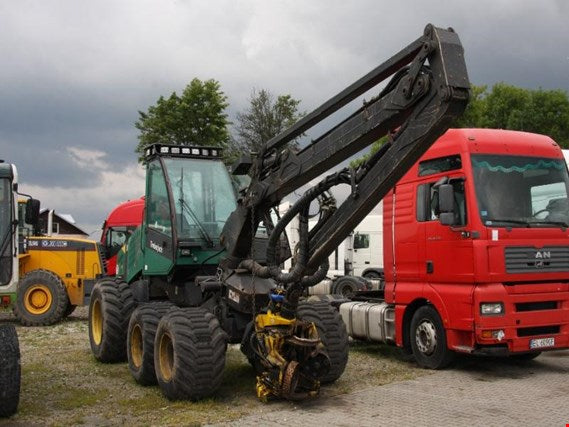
(75, 261)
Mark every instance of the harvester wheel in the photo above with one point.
(41, 300)
(189, 354)
(140, 340)
(332, 332)
(109, 313)
(9, 370)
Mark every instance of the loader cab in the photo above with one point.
(189, 196)
(8, 236)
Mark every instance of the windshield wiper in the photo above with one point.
(196, 221)
(507, 220)
(558, 223)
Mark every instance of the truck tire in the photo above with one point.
(140, 340)
(189, 354)
(428, 339)
(41, 299)
(109, 313)
(332, 332)
(9, 370)
(346, 286)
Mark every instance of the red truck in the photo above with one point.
(118, 226)
(476, 251)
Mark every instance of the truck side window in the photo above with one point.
(361, 241)
(428, 202)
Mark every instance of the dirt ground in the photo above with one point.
(62, 384)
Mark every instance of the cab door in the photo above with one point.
(448, 248)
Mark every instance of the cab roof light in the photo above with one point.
(181, 151)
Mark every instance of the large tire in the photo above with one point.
(140, 340)
(428, 339)
(346, 286)
(189, 354)
(109, 313)
(41, 300)
(9, 370)
(332, 332)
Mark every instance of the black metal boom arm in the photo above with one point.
(428, 89)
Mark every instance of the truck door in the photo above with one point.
(448, 251)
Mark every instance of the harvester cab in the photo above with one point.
(189, 196)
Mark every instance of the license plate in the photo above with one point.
(542, 342)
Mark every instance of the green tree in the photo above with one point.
(264, 118)
(510, 107)
(197, 117)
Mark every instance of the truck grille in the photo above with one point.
(538, 330)
(527, 259)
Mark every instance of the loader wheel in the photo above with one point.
(9, 370)
(332, 332)
(69, 309)
(109, 312)
(140, 341)
(189, 354)
(41, 300)
(428, 339)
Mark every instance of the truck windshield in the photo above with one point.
(519, 191)
(203, 197)
(5, 231)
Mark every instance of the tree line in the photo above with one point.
(198, 117)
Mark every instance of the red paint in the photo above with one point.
(471, 270)
(127, 215)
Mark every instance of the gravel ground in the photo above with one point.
(62, 384)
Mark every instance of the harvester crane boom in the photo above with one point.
(418, 104)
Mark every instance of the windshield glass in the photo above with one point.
(5, 231)
(203, 197)
(521, 191)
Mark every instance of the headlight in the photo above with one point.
(491, 308)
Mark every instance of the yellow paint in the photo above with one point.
(38, 299)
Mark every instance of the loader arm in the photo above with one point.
(429, 88)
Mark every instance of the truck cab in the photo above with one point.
(478, 229)
(118, 227)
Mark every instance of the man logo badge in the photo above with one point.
(540, 257)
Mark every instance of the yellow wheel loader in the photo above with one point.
(52, 275)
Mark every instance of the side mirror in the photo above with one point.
(446, 204)
(32, 212)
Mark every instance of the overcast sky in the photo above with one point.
(73, 74)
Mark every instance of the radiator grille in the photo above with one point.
(527, 259)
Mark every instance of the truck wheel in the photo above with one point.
(140, 341)
(109, 312)
(9, 370)
(428, 339)
(332, 332)
(41, 300)
(189, 354)
(346, 286)
(372, 275)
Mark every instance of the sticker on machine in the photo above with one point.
(495, 235)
